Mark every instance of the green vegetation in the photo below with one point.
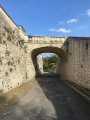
(0, 40)
(26, 76)
(7, 52)
(4, 42)
(6, 73)
(10, 69)
(10, 63)
(7, 30)
(18, 61)
(0, 61)
(25, 51)
(49, 62)
(9, 38)
(10, 35)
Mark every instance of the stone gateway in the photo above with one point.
(20, 59)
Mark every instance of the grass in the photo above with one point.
(7, 98)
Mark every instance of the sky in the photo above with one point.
(51, 17)
(46, 54)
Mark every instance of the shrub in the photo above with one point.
(1, 61)
(10, 69)
(10, 63)
(9, 38)
(4, 42)
(49, 62)
(18, 61)
(7, 52)
(26, 76)
(7, 30)
(6, 73)
(0, 40)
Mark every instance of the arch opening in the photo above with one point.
(49, 62)
(58, 51)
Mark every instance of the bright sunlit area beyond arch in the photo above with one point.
(49, 61)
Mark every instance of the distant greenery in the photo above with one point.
(49, 62)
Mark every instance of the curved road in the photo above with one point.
(49, 98)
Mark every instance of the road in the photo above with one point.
(49, 98)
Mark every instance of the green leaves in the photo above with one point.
(49, 62)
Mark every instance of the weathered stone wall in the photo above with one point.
(12, 54)
(19, 55)
(40, 63)
(16, 64)
(77, 67)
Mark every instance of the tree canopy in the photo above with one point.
(50, 62)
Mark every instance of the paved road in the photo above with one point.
(49, 98)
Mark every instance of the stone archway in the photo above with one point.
(48, 49)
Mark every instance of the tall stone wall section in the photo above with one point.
(12, 54)
(16, 64)
(77, 67)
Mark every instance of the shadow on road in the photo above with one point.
(67, 103)
(49, 98)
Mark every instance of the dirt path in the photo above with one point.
(49, 98)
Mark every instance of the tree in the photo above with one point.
(50, 62)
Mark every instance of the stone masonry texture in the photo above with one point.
(20, 59)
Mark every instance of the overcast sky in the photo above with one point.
(51, 17)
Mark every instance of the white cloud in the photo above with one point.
(63, 30)
(72, 21)
(69, 21)
(88, 12)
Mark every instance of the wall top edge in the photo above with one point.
(8, 15)
(73, 37)
(22, 27)
(46, 36)
(11, 18)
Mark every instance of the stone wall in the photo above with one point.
(77, 67)
(18, 53)
(12, 54)
(40, 64)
